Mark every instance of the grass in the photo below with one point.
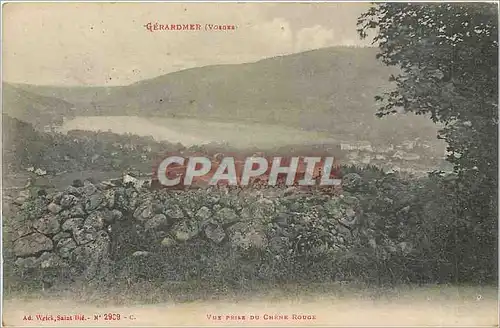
(182, 292)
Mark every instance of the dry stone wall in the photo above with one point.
(85, 229)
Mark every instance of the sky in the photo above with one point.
(108, 44)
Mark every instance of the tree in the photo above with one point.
(448, 59)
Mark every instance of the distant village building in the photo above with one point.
(384, 149)
(399, 154)
(365, 146)
(347, 146)
(361, 145)
(40, 172)
(408, 144)
(411, 157)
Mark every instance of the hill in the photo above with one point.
(330, 89)
(39, 110)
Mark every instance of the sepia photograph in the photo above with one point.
(283, 164)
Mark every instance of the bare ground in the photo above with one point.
(425, 306)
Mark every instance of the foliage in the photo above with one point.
(448, 56)
(78, 150)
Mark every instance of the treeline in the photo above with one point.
(78, 150)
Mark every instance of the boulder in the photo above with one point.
(26, 263)
(72, 190)
(174, 212)
(168, 242)
(68, 200)
(94, 202)
(77, 211)
(215, 232)
(226, 216)
(49, 260)
(143, 212)
(85, 235)
(185, 230)
(117, 215)
(48, 225)
(158, 222)
(32, 244)
(72, 224)
(61, 235)
(109, 195)
(54, 208)
(89, 189)
(94, 221)
(94, 257)
(204, 213)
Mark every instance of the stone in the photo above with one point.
(143, 212)
(89, 189)
(48, 225)
(94, 202)
(117, 215)
(72, 190)
(348, 221)
(26, 263)
(158, 222)
(32, 244)
(49, 260)
(215, 233)
(186, 230)
(342, 230)
(141, 253)
(20, 200)
(350, 213)
(21, 227)
(54, 208)
(226, 215)
(158, 208)
(168, 242)
(334, 208)
(72, 224)
(61, 235)
(94, 257)
(109, 195)
(174, 212)
(77, 211)
(84, 235)
(68, 200)
(94, 221)
(204, 213)
(63, 215)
